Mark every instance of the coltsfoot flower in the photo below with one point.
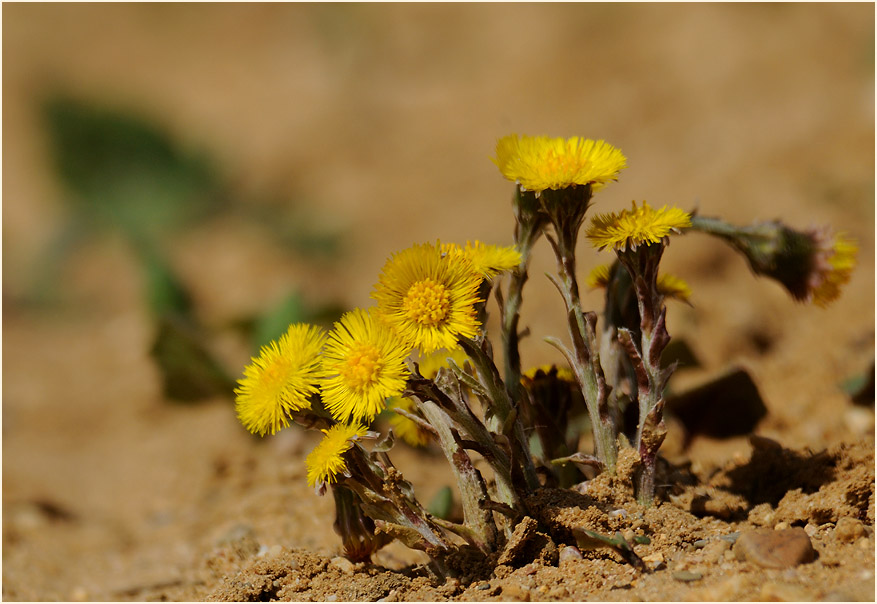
(363, 365)
(538, 163)
(428, 297)
(412, 433)
(487, 260)
(669, 285)
(630, 229)
(812, 264)
(326, 461)
(280, 380)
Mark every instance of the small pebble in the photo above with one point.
(784, 592)
(628, 535)
(781, 526)
(654, 561)
(558, 593)
(775, 549)
(483, 585)
(516, 591)
(811, 529)
(331, 598)
(848, 529)
(730, 537)
(342, 564)
(687, 575)
(570, 552)
(620, 512)
(715, 551)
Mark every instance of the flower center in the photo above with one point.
(362, 367)
(427, 302)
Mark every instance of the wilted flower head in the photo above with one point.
(632, 228)
(538, 163)
(280, 380)
(833, 262)
(812, 265)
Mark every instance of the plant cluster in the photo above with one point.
(423, 351)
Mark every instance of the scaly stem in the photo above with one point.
(502, 409)
(587, 368)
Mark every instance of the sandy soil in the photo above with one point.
(383, 118)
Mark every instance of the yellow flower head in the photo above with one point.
(280, 380)
(487, 260)
(326, 461)
(833, 264)
(538, 163)
(561, 373)
(363, 365)
(598, 277)
(635, 227)
(670, 286)
(412, 433)
(428, 297)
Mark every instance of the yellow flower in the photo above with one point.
(632, 228)
(280, 380)
(411, 432)
(598, 277)
(833, 264)
(326, 461)
(538, 163)
(363, 365)
(672, 286)
(428, 297)
(487, 260)
(430, 364)
(561, 373)
(668, 285)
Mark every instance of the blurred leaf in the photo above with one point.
(276, 321)
(124, 171)
(296, 229)
(188, 369)
(860, 388)
(166, 294)
(291, 309)
(442, 504)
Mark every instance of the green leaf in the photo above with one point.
(442, 503)
(125, 172)
(189, 370)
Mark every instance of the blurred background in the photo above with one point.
(180, 181)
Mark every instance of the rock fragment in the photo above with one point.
(775, 549)
(848, 529)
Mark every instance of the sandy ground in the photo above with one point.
(384, 118)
